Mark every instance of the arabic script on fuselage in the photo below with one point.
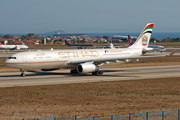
(40, 54)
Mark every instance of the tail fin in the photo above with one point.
(130, 41)
(66, 42)
(144, 38)
(1, 44)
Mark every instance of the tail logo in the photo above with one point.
(144, 40)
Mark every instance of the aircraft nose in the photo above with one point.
(10, 60)
(7, 61)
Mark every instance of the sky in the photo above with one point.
(88, 16)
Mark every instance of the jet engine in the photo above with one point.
(87, 68)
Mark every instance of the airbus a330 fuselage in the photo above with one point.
(55, 59)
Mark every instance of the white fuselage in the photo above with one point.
(158, 48)
(66, 58)
(12, 47)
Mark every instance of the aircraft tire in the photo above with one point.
(100, 72)
(23, 74)
(94, 73)
(73, 71)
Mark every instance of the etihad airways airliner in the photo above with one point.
(81, 60)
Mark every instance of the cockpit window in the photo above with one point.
(11, 57)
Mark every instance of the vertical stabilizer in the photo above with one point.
(130, 41)
(66, 42)
(144, 38)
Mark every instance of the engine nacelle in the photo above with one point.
(87, 68)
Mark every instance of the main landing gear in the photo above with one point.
(74, 71)
(99, 72)
(22, 74)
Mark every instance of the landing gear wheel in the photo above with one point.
(100, 72)
(73, 71)
(93, 73)
(23, 74)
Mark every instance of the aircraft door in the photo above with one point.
(24, 58)
(56, 57)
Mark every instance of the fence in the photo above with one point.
(168, 115)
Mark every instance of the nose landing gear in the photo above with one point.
(22, 74)
(73, 71)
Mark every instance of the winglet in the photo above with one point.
(66, 42)
(172, 53)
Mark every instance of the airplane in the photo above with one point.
(84, 60)
(111, 46)
(13, 47)
(123, 37)
(79, 46)
(157, 48)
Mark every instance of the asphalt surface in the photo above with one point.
(110, 74)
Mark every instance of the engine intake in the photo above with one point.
(87, 68)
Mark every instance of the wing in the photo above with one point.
(100, 61)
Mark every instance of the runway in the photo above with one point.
(13, 79)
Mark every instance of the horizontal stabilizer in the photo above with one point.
(147, 49)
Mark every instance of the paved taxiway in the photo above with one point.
(110, 74)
